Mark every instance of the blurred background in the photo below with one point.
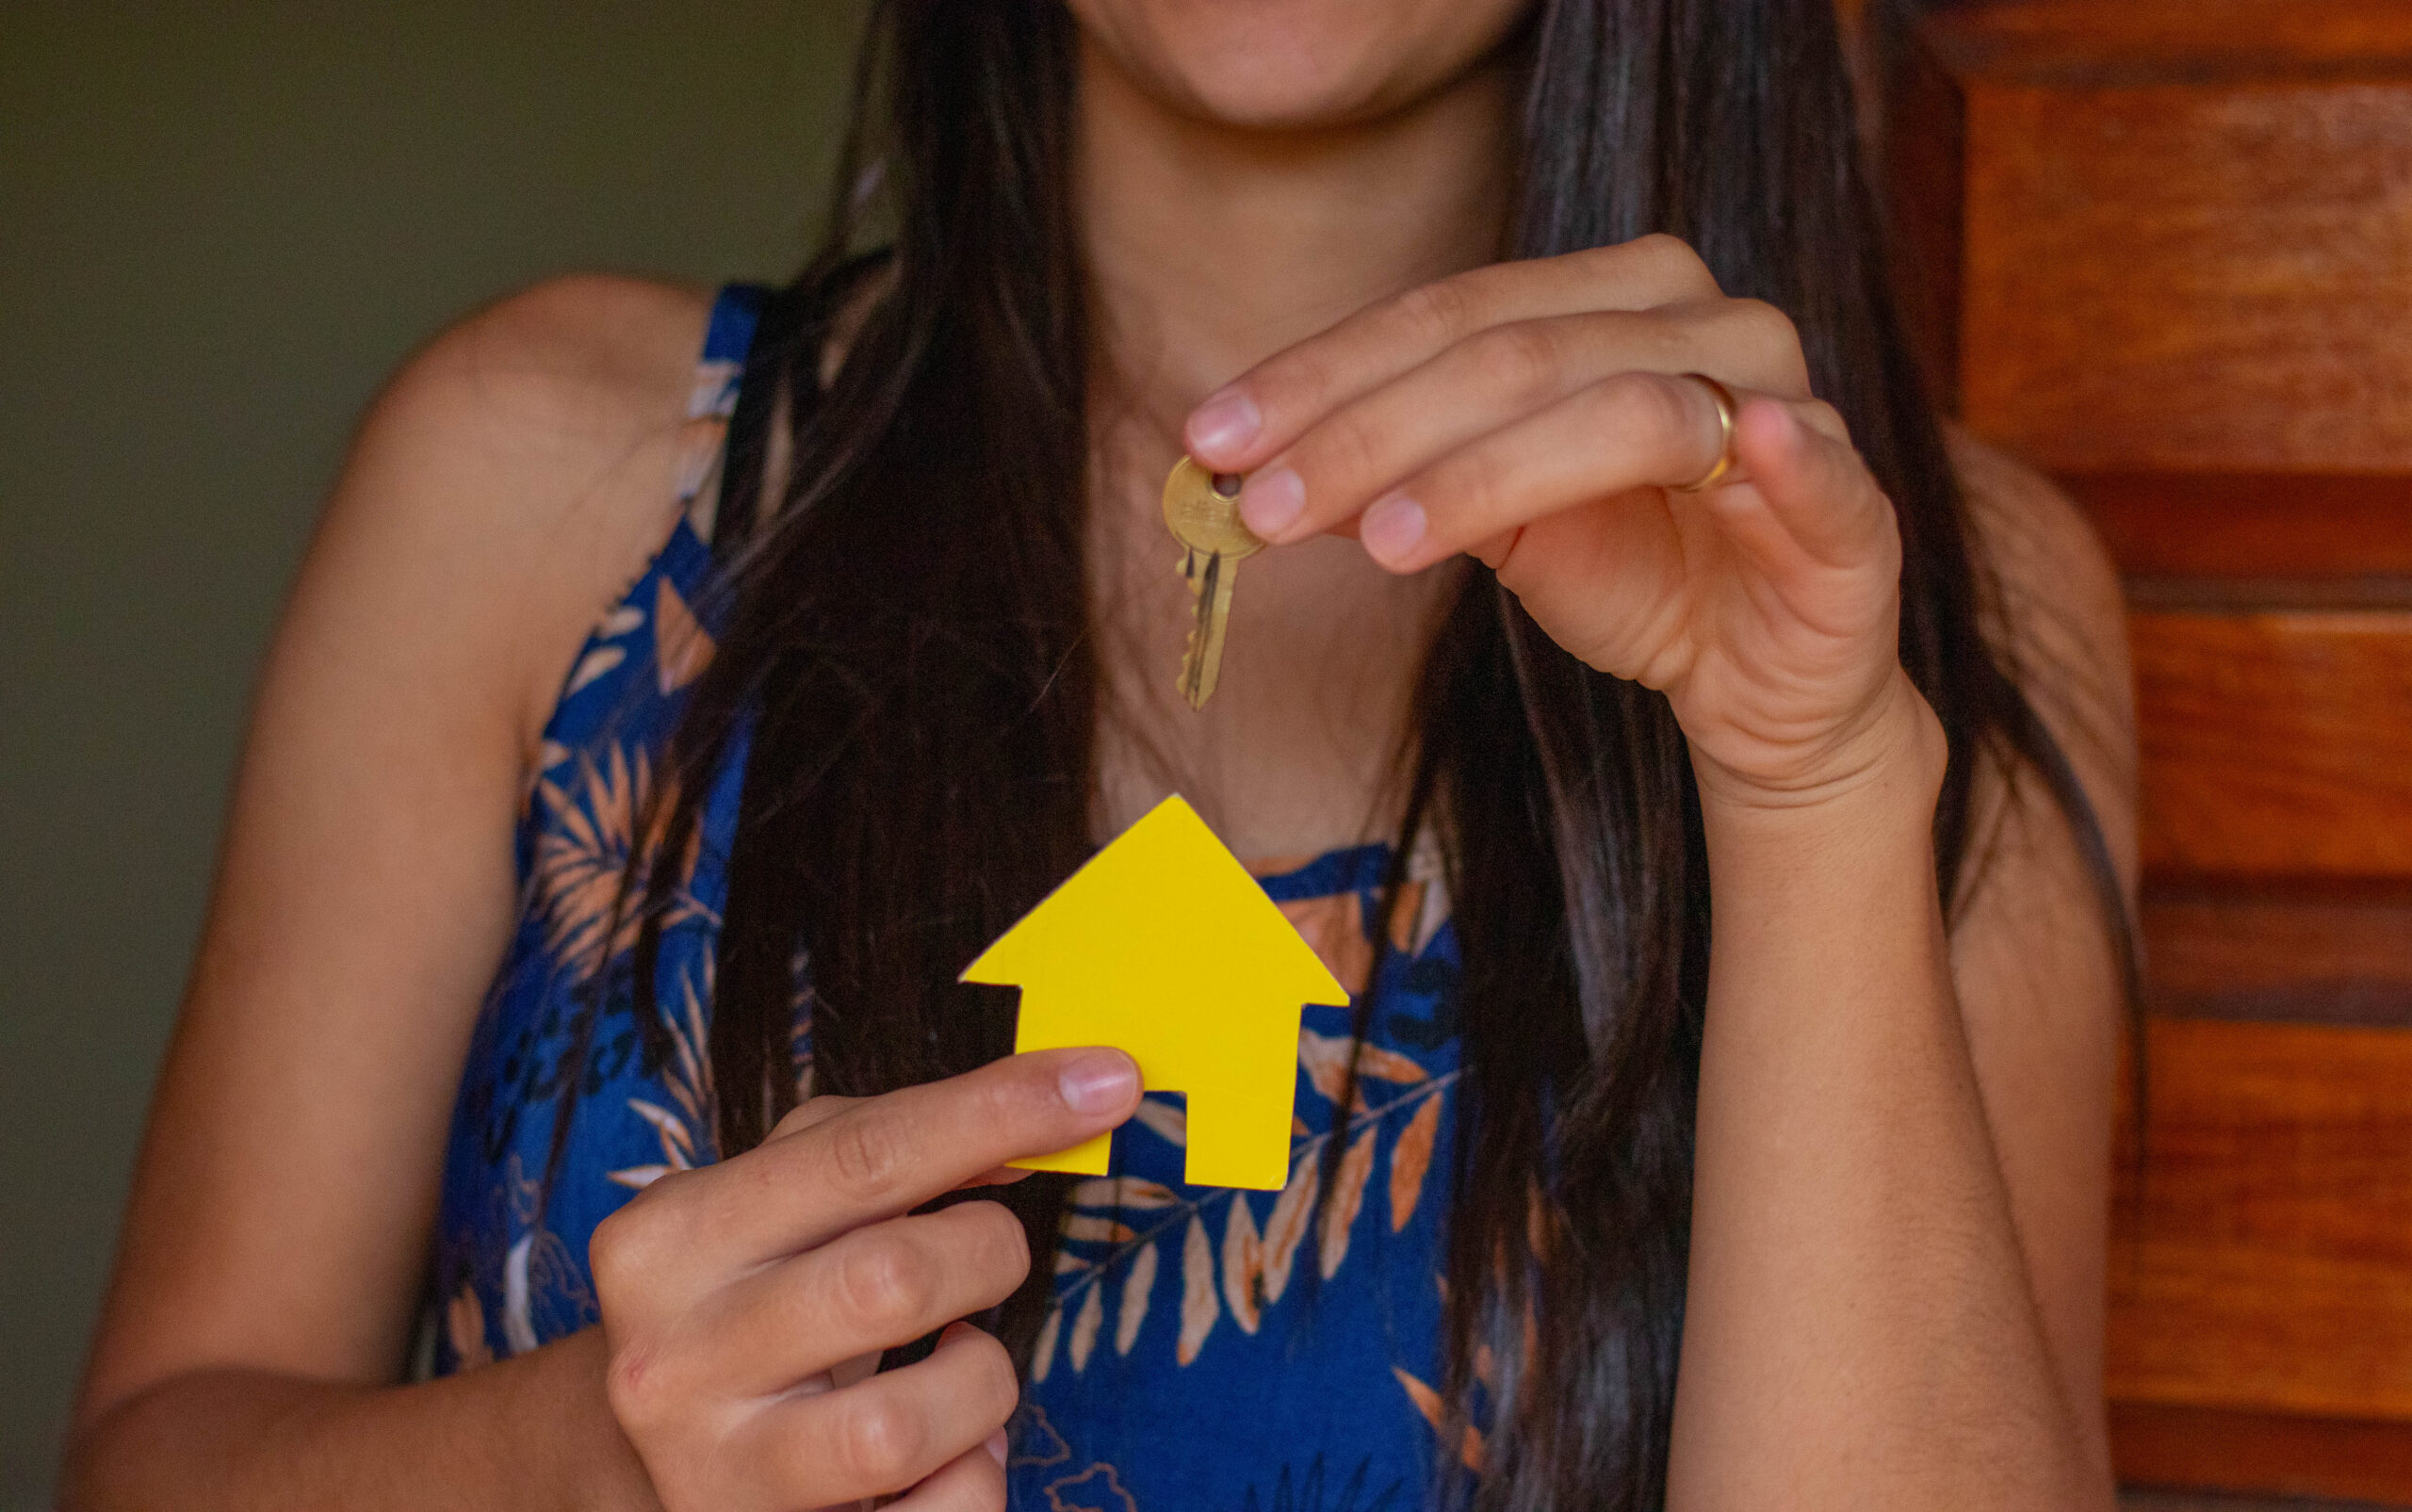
(2162, 249)
(220, 226)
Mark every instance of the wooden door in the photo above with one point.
(2164, 250)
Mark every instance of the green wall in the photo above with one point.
(220, 225)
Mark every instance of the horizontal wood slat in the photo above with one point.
(2252, 525)
(2164, 39)
(2275, 744)
(2190, 277)
(2304, 954)
(2256, 1452)
(2264, 1263)
(2158, 248)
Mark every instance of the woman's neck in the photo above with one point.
(1210, 247)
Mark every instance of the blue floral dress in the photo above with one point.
(1208, 1348)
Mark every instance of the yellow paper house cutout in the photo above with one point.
(1163, 945)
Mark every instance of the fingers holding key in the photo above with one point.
(1634, 429)
(1250, 420)
(1550, 418)
(1494, 378)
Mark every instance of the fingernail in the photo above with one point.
(1270, 501)
(1098, 1082)
(1391, 529)
(996, 1446)
(1224, 423)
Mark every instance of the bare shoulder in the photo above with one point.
(2058, 615)
(510, 474)
(2035, 948)
(2047, 558)
(518, 470)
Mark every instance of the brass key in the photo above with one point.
(1203, 510)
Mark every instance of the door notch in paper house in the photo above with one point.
(1163, 945)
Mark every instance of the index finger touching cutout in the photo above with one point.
(877, 1157)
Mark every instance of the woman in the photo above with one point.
(1556, 651)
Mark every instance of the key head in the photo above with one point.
(1204, 518)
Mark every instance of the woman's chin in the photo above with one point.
(1293, 65)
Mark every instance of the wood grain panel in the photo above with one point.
(2144, 40)
(2252, 525)
(2275, 744)
(2305, 953)
(2265, 1261)
(2190, 277)
(2256, 1452)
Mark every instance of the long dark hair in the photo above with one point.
(905, 669)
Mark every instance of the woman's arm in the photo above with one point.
(271, 1272)
(1893, 1297)
(1901, 1197)
(533, 1432)
(2040, 983)
(271, 1267)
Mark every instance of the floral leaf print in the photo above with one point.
(1436, 1413)
(1243, 1265)
(687, 1134)
(582, 858)
(1084, 1327)
(1096, 1229)
(1287, 1227)
(620, 621)
(583, 855)
(1199, 1306)
(1423, 902)
(1307, 1495)
(1033, 1440)
(1120, 1193)
(1411, 1160)
(1136, 1290)
(465, 1328)
(1042, 1354)
(682, 648)
(1115, 1220)
(1347, 1200)
(1325, 1059)
(689, 1076)
(1097, 1488)
(593, 665)
(1333, 927)
(1169, 1123)
(674, 1133)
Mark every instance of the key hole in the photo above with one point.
(1226, 485)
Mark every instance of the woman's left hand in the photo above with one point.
(1536, 416)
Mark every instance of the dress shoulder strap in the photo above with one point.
(728, 338)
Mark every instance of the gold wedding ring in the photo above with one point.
(1728, 468)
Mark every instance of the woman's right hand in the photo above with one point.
(730, 1294)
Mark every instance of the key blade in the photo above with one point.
(1200, 658)
(1203, 665)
